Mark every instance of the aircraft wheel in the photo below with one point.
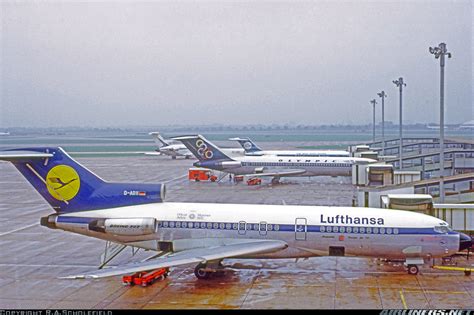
(413, 269)
(200, 273)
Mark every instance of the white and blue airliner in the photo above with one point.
(212, 157)
(204, 234)
(252, 149)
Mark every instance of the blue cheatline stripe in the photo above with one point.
(296, 164)
(74, 220)
(291, 228)
(367, 230)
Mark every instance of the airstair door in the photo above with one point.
(300, 229)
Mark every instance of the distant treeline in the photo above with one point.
(214, 128)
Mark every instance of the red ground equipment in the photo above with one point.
(254, 181)
(198, 174)
(145, 278)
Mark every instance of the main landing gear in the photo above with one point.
(204, 272)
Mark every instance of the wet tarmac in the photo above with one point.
(32, 257)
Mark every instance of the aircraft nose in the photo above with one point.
(465, 241)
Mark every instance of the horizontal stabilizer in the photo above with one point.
(23, 155)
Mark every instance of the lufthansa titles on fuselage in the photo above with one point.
(347, 219)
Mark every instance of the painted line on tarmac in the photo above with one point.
(403, 299)
(434, 291)
(19, 229)
(48, 266)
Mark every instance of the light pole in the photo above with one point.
(399, 83)
(373, 124)
(440, 52)
(383, 96)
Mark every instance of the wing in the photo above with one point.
(277, 173)
(197, 255)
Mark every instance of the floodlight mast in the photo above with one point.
(383, 96)
(440, 52)
(399, 83)
(373, 102)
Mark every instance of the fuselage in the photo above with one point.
(313, 166)
(301, 153)
(308, 230)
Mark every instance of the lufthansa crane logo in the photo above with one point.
(63, 182)
(203, 150)
(247, 145)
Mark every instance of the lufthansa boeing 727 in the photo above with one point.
(204, 234)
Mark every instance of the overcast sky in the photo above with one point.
(123, 63)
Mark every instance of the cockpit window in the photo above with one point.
(442, 229)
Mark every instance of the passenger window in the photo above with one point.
(342, 229)
(395, 231)
(348, 229)
(263, 228)
(216, 225)
(165, 224)
(368, 230)
(382, 230)
(389, 231)
(234, 226)
(184, 225)
(209, 225)
(172, 224)
(190, 225)
(203, 225)
(362, 230)
(228, 226)
(376, 230)
(335, 229)
(328, 229)
(356, 230)
(322, 229)
(178, 224)
(270, 227)
(277, 227)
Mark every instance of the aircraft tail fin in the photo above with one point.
(70, 187)
(248, 145)
(159, 140)
(203, 149)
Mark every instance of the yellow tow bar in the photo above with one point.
(467, 271)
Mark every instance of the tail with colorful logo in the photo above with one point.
(203, 150)
(248, 145)
(70, 187)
